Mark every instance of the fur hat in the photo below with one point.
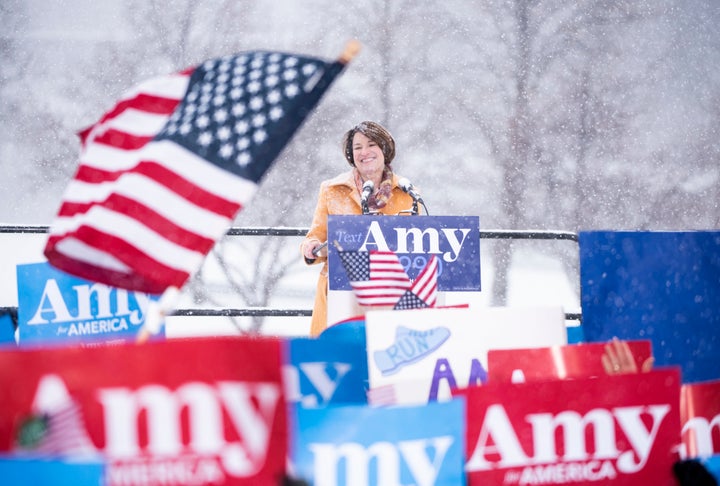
(375, 132)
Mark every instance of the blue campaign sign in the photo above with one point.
(57, 308)
(7, 328)
(55, 471)
(662, 286)
(712, 464)
(454, 240)
(319, 372)
(377, 445)
(352, 329)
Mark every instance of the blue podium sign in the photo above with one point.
(662, 286)
(454, 240)
(57, 308)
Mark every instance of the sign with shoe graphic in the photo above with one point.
(417, 356)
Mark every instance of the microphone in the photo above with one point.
(317, 249)
(367, 189)
(407, 186)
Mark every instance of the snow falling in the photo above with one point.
(549, 115)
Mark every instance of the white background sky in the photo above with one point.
(447, 74)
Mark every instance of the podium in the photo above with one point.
(454, 240)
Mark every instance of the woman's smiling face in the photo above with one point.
(367, 155)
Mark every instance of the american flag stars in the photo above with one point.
(232, 102)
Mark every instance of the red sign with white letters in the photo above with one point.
(700, 416)
(201, 411)
(619, 430)
(556, 362)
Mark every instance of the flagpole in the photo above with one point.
(156, 313)
(351, 50)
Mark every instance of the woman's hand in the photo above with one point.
(308, 251)
(619, 359)
(309, 248)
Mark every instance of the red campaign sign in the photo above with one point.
(700, 418)
(201, 411)
(556, 362)
(619, 430)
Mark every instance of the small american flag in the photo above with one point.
(163, 174)
(376, 277)
(382, 395)
(423, 292)
(64, 434)
(57, 426)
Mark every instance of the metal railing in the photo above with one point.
(496, 234)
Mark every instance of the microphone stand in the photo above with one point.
(414, 210)
(365, 208)
(367, 189)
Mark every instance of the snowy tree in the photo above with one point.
(549, 115)
(548, 97)
(37, 142)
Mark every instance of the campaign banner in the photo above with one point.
(350, 329)
(181, 412)
(700, 418)
(662, 286)
(620, 430)
(28, 471)
(325, 370)
(57, 308)
(556, 362)
(454, 240)
(712, 464)
(363, 445)
(7, 328)
(417, 356)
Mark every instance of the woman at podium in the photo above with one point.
(369, 187)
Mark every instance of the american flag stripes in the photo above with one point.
(64, 434)
(163, 174)
(383, 395)
(376, 277)
(57, 427)
(423, 292)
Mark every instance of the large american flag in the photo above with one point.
(376, 277)
(163, 174)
